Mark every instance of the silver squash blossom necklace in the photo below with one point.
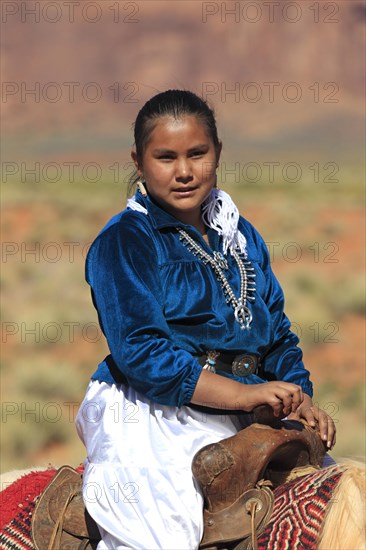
(218, 262)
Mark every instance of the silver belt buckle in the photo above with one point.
(244, 365)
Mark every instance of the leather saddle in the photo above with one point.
(60, 520)
(234, 474)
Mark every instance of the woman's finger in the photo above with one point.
(308, 414)
(331, 431)
(292, 396)
(326, 427)
(297, 398)
(277, 407)
(286, 399)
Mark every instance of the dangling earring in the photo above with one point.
(141, 187)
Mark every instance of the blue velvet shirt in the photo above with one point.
(159, 306)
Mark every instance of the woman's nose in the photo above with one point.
(183, 170)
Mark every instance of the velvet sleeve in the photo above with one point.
(283, 360)
(123, 271)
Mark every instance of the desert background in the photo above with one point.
(286, 80)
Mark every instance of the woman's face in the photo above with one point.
(179, 166)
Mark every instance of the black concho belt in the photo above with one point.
(240, 365)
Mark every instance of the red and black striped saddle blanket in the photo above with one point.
(298, 513)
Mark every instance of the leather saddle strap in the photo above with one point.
(55, 541)
(252, 511)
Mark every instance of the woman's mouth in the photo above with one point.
(185, 191)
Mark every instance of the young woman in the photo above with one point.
(198, 338)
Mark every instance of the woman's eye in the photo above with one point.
(192, 154)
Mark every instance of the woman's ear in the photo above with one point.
(136, 162)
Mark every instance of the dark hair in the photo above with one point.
(174, 103)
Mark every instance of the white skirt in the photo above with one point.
(138, 484)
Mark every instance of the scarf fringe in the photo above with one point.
(221, 214)
(134, 205)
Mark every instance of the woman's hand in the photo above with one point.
(283, 397)
(222, 393)
(313, 415)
